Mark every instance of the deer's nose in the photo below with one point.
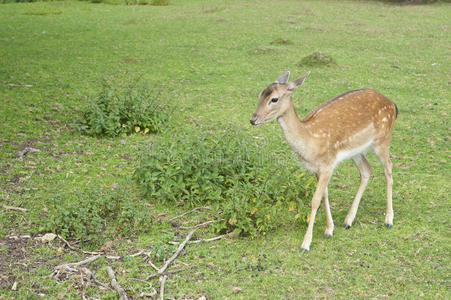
(254, 119)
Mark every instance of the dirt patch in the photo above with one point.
(16, 255)
(317, 59)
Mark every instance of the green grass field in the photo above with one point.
(209, 60)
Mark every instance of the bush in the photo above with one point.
(89, 214)
(227, 170)
(117, 111)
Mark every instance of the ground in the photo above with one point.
(210, 59)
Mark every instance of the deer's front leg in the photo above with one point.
(323, 180)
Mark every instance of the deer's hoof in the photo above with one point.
(327, 236)
(346, 226)
(303, 250)
(389, 225)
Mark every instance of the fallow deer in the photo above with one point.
(341, 128)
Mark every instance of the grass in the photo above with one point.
(211, 59)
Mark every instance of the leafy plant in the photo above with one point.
(116, 111)
(88, 214)
(226, 170)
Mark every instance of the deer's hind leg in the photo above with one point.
(365, 172)
(329, 221)
(382, 152)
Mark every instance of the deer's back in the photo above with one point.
(351, 112)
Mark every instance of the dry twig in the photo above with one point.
(163, 281)
(188, 212)
(93, 277)
(116, 257)
(7, 207)
(179, 249)
(199, 225)
(204, 240)
(71, 267)
(153, 266)
(119, 289)
(83, 286)
(151, 294)
(17, 85)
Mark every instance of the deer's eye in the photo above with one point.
(274, 100)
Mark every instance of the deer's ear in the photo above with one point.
(297, 82)
(283, 78)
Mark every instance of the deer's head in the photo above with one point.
(274, 100)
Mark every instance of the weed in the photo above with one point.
(87, 214)
(117, 111)
(227, 171)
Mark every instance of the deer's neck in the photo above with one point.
(294, 131)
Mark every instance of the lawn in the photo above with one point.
(209, 60)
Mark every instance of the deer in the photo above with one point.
(342, 128)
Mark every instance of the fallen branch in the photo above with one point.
(152, 294)
(93, 277)
(119, 289)
(204, 240)
(116, 257)
(163, 281)
(71, 267)
(83, 286)
(153, 266)
(169, 272)
(7, 207)
(199, 225)
(188, 212)
(179, 249)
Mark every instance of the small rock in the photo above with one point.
(235, 290)
(48, 237)
(14, 287)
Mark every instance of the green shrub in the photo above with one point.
(227, 170)
(89, 214)
(117, 111)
